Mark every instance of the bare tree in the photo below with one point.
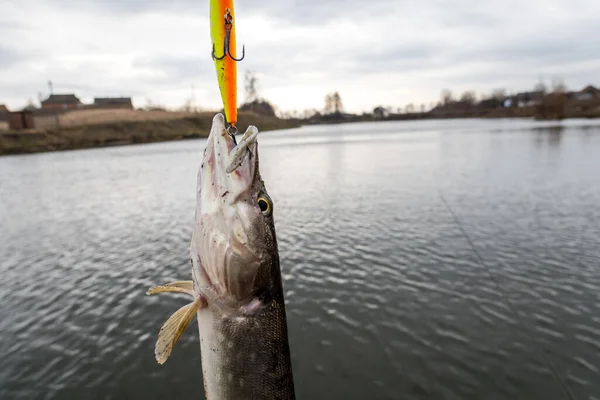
(328, 104)
(446, 97)
(422, 108)
(410, 108)
(540, 87)
(338, 107)
(558, 85)
(468, 97)
(333, 103)
(187, 105)
(251, 86)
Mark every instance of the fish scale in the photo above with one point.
(249, 357)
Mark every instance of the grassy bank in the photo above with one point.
(82, 133)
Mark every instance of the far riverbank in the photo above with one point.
(67, 135)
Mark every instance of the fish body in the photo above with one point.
(224, 45)
(246, 357)
(236, 278)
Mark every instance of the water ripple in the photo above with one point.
(385, 297)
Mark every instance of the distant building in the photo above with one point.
(381, 112)
(3, 113)
(113, 102)
(20, 120)
(491, 103)
(528, 98)
(587, 93)
(61, 102)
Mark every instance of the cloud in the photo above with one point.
(175, 68)
(374, 52)
(9, 57)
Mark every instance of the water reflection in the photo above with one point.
(550, 136)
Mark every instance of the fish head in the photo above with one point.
(234, 246)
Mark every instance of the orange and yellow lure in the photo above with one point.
(222, 32)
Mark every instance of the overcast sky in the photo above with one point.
(374, 52)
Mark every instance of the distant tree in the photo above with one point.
(251, 86)
(468, 97)
(422, 108)
(333, 103)
(30, 104)
(552, 106)
(149, 104)
(558, 85)
(499, 94)
(328, 104)
(187, 105)
(540, 87)
(399, 110)
(260, 107)
(446, 97)
(253, 101)
(380, 112)
(309, 113)
(410, 108)
(338, 107)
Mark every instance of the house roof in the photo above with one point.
(112, 100)
(62, 99)
(3, 108)
(590, 89)
(380, 109)
(493, 102)
(529, 96)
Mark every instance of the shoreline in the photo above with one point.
(529, 112)
(123, 133)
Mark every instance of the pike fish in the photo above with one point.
(236, 282)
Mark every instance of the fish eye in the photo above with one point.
(265, 204)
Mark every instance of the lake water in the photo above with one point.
(386, 298)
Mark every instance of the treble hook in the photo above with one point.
(226, 51)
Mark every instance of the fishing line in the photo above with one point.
(567, 392)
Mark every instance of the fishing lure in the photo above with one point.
(222, 30)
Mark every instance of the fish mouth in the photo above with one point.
(229, 165)
(223, 250)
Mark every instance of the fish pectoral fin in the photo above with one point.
(171, 331)
(186, 287)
